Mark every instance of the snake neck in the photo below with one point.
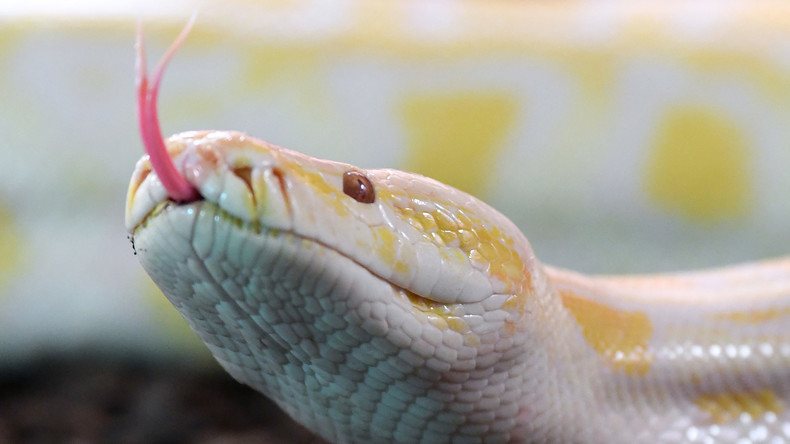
(692, 354)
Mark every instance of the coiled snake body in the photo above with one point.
(383, 306)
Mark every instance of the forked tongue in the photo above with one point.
(177, 187)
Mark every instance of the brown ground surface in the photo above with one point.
(101, 400)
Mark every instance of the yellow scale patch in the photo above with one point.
(386, 249)
(457, 235)
(442, 316)
(755, 316)
(457, 138)
(319, 184)
(700, 166)
(460, 238)
(619, 336)
(451, 316)
(726, 407)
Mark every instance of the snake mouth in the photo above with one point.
(241, 174)
(228, 168)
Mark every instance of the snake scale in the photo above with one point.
(383, 306)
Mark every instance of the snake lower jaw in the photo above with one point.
(318, 332)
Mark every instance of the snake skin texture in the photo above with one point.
(424, 316)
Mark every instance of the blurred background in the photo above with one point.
(621, 137)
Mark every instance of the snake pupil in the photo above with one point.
(358, 186)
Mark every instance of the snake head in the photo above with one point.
(365, 302)
(336, 289)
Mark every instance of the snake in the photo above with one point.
(376, 305)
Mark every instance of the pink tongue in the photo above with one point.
(177, 187)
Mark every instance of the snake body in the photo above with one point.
(383, 306)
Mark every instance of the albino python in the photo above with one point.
(383, 306)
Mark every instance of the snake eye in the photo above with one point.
(358, 186)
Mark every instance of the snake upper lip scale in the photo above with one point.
(383, 306)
